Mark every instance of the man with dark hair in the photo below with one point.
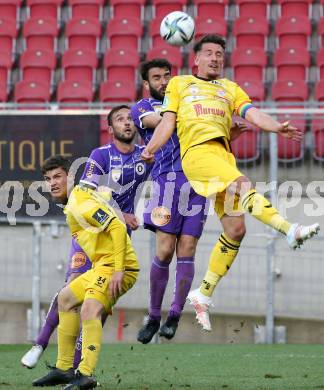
(117, 166)
(175, 212)
(201, 108)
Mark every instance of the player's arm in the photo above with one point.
(237, 129)
(131, 220)
(152, 120)
(162, 133)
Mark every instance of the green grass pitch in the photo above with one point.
(186, 366)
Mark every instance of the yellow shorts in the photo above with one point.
(94, 284)
(210, 169)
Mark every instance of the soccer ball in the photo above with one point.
(177, 28)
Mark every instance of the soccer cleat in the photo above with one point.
(81, 382)
(55, 377)
(169, 328)
(201, 305)
(297, 234)
(30, 359)
(147, 332)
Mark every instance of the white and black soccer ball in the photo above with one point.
(177, 28)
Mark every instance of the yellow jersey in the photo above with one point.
(204, 108)
(98, 230)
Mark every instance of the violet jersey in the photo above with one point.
(167, 158)
(121, 172)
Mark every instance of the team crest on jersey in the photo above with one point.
(141, 110)
(160, 216)
(194, 89)
(140, 168)
(78, 260)
(116, 174)
(158, 109)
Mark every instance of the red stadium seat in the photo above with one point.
(9, 9)
(254, 88)
(211, 8)
(295, 8)
(121, 64)
(320, 64)
(79, 65)
(74, 92)
(293, 32)
(44, 9)
(86, 8)
(38, 66)
(40, 34)
(291, 91)
(210, 25)
(117, 91)
(127, 8)
(83, 33)
(3, 92)
(8, 34)
(251, 32)
(124, 32)
(292, 64)
(5, 67)
(246, 148)
(319, 91)
(191, 62)
(249, 63)
(171, 54)
(31, 92)
(163, 7)
(256, 8)
(154, 34)
(320, 32)
(318, 136)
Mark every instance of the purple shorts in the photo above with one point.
(79, 262)
(175, 207)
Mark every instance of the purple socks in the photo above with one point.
(51, 322)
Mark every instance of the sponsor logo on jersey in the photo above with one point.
(141, 110)
(100, 216)
(140, 168)
(166, 101)
(78, 260)
(202, 110)
(161, 216)
(221, 93)
(90, 170)
(115, 174)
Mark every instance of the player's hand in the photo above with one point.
(147, 156)
(237, 129)
(290, 132)
(115, 285)
(131, 221)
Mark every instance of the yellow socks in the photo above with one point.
(220, 261)
(91, 345)
(67, 333)
(260, 208)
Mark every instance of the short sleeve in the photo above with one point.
(242, 102)
(139, 110)
(95, 168)
(171, 98)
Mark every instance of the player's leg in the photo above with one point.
(220, 261)
(159, 277)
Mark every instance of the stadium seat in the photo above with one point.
(319, 91)
(5, 67)
(8, 34)
(163, 7)
(40, 34)
(9, 9)
(117, 91)
(295, 8)
(154, 34)
(121, 64)
(74, 92)
(291, 91)
(320, 31)
(83, 33)
(288, 150)
(44, 9)
(127, 8)
(3, 92)
(31, 92)
(254, 88)
(210, 25)
(251, 32)
(86, 8)
(249, 63)
(318, 137)
(79, 65)
(211, 8)
(256, 8)
(124, 32)
(320, 64)
(292, 64)
(171, 54)
(293, 32)
(246, 148)
(38, 66)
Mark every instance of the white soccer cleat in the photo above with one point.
(31, 358)
(201, 305)
(297, 234)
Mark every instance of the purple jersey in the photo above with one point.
(121, 172)
(167, 158)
